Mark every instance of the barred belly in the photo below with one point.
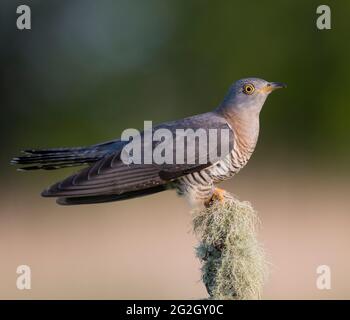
(199, 186)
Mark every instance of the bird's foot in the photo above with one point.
(218, 195)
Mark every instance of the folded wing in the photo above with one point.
(111, 176)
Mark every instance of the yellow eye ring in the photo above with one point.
(248, 88)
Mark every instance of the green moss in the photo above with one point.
(233, 262)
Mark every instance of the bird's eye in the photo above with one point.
(248, 88)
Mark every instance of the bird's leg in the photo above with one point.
(217, 195)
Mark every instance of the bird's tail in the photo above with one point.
(56, 158)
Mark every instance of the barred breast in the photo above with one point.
(199, 186)
(232, 163)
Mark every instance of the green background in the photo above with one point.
(88, 70)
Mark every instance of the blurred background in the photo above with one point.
(89, 69)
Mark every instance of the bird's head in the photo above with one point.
(249, 94)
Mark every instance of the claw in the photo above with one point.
(218, 195)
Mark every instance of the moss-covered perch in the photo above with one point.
(233, 262)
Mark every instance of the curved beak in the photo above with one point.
(272, 86)
(277, 85)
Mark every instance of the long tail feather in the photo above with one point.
(51, 159)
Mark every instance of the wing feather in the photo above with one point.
(111, 175)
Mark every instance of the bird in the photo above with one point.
(105, 177)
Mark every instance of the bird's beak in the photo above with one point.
(272, 86)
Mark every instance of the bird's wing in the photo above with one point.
(111, 175)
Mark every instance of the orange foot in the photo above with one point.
(218, 195)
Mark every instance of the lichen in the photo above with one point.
(233, 262)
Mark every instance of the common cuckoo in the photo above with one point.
(108, 178)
